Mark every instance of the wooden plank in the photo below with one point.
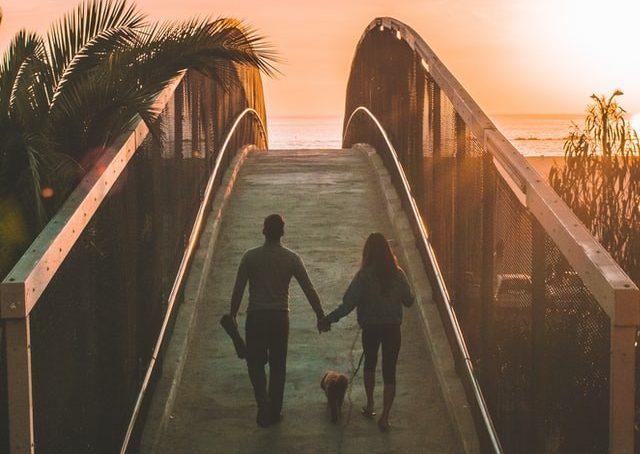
(18, 345)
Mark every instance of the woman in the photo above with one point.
(378, 291)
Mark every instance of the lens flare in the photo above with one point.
(47, 193)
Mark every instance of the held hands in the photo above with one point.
(324, 324)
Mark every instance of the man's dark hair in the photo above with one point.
(273, 227)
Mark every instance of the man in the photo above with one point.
(269, 269)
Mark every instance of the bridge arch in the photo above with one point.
(516, 276)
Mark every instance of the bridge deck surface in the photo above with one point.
(330, 202)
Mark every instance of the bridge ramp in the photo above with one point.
(330, 201)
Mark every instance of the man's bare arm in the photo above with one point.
(301, 275)
(238, 288)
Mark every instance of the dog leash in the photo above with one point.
(353, 373)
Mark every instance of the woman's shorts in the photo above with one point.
(389, 336)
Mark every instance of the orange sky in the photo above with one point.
(514, 56)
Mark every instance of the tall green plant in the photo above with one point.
(67, 95)
(600, 179)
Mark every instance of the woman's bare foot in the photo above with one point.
(383, 424)
(368, 411)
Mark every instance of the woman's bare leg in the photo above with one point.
(390, 350)
(370, 344)
(369, 386)
(388, 394)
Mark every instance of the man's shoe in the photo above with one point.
(276, 418)
(263, 419)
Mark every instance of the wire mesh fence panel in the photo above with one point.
(467, 230)
(508, 361)
(444, 190)
(424, 195)
(95, 327)
(539, 341)
(575, 362)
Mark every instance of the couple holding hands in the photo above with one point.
(378, 292)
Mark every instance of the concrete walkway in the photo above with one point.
(330, 201)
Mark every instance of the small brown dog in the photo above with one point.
(335, 386)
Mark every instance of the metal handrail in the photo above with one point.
(196, 231)
(424, 239)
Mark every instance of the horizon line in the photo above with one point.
(533, 114)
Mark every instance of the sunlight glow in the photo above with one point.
(605, 31)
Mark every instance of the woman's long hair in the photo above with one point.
(378, 256)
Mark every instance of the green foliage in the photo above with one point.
(65, 96)
(600, 180)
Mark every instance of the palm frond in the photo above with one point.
(92, 17)
(91, 55)
(97, 72)
(123, 87)
(198, 43)
(29, 97)
(22, 47)
(33, 177)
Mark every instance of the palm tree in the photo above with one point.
(94, 74)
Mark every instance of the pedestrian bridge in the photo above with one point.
(523, 338)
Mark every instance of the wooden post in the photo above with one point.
(18, 345)
(622, 389)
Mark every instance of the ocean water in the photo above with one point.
(537, 135)
(305, 132)
(533, 135)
